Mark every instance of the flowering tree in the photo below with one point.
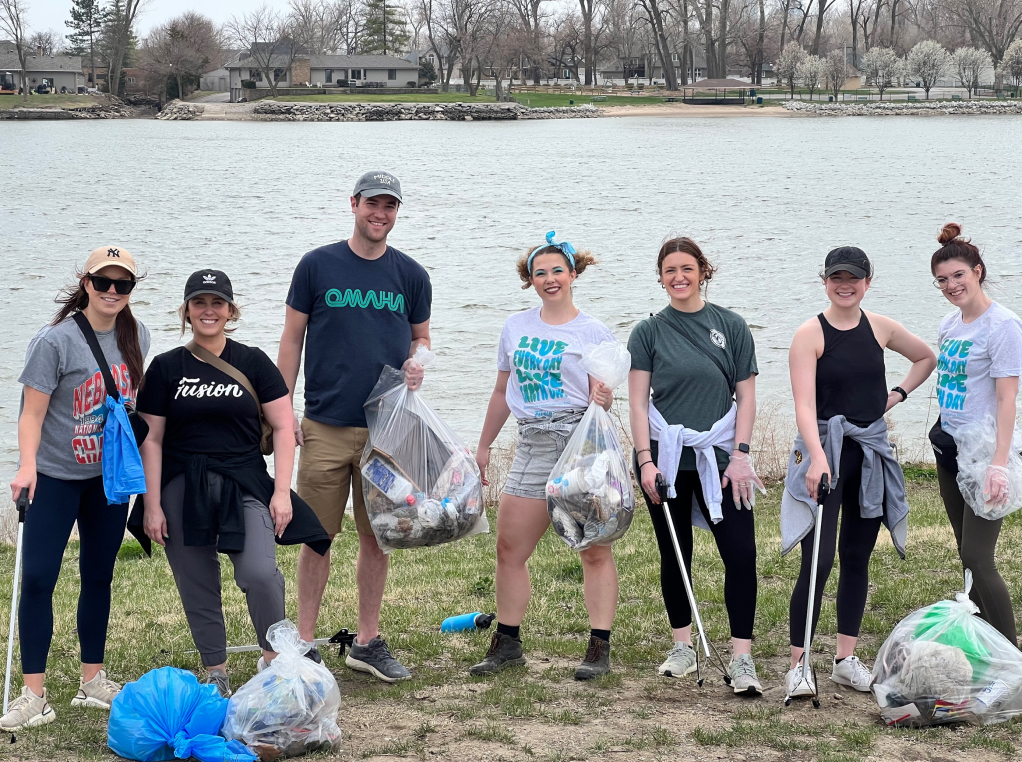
(810, 73)
(788, 62)
(1011, 65)
(970, 64)
(882, 66)
(928, 62)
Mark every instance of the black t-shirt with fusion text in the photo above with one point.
(207, 411)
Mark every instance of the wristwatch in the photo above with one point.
(902, 392)
(742, 447)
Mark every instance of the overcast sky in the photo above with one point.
(51, 14)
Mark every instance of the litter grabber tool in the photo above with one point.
(805, 687)
(342, 638)
(22, 505)
(704, 642)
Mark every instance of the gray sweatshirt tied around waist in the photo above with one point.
(883, 481)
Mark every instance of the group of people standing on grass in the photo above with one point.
(215, 406)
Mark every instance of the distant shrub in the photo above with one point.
(248, 84)
(342, 83)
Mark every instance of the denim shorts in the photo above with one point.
(540, 443)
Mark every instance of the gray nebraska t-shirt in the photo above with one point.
(59, 363)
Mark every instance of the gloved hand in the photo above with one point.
(744, 482)
(995, 488)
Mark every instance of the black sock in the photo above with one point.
(511, 631)
(601, 634)
(838, 661)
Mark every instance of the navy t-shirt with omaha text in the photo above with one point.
(361, 313)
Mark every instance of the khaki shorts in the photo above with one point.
(328, 470)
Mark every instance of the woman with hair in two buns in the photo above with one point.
(839, 382)
(980, 345)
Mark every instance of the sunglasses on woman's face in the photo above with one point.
(121, 285)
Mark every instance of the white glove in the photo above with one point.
(744, 482)
(995, 488)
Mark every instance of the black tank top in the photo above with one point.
(850, 376)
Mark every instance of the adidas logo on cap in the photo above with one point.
(209, 278)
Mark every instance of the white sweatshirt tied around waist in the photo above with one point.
(670, 441)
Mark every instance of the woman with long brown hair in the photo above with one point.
(60, 442)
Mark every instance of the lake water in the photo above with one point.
(766, 197)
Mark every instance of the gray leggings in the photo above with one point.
(197, 573)
(977, 540)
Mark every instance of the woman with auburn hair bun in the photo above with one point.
(541, 381)
(980, 344)
(699, 361)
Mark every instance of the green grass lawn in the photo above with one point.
(50, 101)
(430, 97)
(541, 713)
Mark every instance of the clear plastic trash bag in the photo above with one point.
(589, 493)
(943, 664)
(289, 708)
(166, 714)
(976, 444)
(420, 482)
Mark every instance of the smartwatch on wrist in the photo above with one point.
(902, 392)
(742, 447)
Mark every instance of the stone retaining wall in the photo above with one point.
(113, 111)
(391, 112)
(903, 108)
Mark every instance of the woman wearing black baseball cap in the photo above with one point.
(213, 407)
(839, 381)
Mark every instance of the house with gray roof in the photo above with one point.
(54, 71)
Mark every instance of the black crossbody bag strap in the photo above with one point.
(97, 352)
(716, 361)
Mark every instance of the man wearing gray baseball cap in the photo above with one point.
(354, 307)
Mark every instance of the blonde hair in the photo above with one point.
(182, 312)
(583, 259)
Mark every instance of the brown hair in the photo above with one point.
(685, 245)
(74, 298)
(583, 259)
(182, 312)
(953, 246)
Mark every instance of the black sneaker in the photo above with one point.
(375, 658)
(504, 652)
(314, 654)
(596, 661)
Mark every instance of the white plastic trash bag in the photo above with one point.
(943, 664)
(420, 482)
(589, 491)
(977, 442)
(289, 708)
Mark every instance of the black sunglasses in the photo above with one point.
(121, 285)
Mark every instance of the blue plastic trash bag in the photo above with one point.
(167, 710)
(122, 464)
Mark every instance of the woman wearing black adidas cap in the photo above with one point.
(839, 382)
(208, 489)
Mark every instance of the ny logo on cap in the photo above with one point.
(113, 252)
(209, 278)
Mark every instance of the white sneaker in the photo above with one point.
(99, 692)
(681, 661)
(852, 673)
(27, 711)
(799, 685)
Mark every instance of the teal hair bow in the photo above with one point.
(566, 248)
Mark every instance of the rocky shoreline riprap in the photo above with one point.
(180, 111)
(907, 108)
(392, 112)
(117, 110)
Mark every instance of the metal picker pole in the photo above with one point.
(684, 578)
(22, 507)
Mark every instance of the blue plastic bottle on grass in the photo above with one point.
(465, 622)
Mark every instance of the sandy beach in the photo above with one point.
(682, 110)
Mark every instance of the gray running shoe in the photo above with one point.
(375, 658)
(743, 676)
(504, 652)
(220, 679)
(99, 692)
(596, 661)
(27, 711)
(681, 661)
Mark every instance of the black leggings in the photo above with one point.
(977, 539)
(735, 536)
(58, 504)
(855, 546)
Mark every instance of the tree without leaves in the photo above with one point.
(14, 26)
(993, 24)
(927, 62)
(969, 64)
(1011, 65)
(810, 73)
(50, 42)
(319, 24)
(268, 38)
(119, 37)
(655, 17)
(531, 18)
(881, 66)
(183, 49)
(788, 62)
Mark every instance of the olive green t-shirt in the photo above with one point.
(688, 387)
